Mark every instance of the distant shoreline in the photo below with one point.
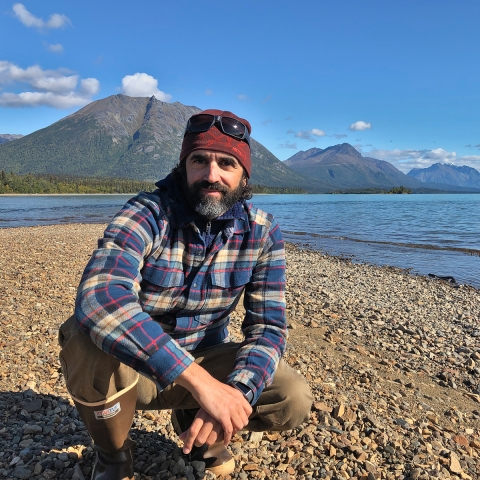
(60, 194)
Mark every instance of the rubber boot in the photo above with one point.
(108, 424)
(216, 456)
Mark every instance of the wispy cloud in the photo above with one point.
(309, 135)
(287, 144)
(242, 98)
(267, 121)
(267, 99)
(208, 92)
(143, 85)
(289, 118)
(55, 48)
(360, 125)
(53, 88)
(405, 160)
(339, 136)
(56, 20)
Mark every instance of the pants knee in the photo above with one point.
(299, 403)
(284, 405)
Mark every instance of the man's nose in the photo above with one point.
(212, 172)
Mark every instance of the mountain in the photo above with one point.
(341, 167)
(8, 137)
(121, 136)
(449, 174)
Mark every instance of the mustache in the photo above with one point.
(214, 187)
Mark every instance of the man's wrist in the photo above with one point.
(246, 391)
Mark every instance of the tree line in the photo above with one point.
(56, 184)
(400, 189)
(38, 183)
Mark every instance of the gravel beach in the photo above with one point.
(393, 361)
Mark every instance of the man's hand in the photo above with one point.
(204, 429)
(224, 410)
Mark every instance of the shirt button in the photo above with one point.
(195, 285)
(154, 377)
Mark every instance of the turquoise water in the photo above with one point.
(436, 234)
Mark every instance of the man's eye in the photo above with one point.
(227, 163)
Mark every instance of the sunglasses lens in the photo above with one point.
(233, 127)
(200, 123)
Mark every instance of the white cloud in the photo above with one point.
(143, 85)
(56, 20)
(55, 48)
(242, 98)
(89, 87)
(405, 160)
(42, 99)
(470, 161)
(52, 88)
(55, 84)
(309, 134)
(289, 145)
(360, 125)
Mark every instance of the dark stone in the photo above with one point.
(59, 465)
(22, 472)
(31, 406)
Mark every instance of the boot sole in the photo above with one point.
(223, 469)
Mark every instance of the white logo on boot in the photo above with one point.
(108, 412)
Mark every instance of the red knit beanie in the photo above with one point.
(214, 139)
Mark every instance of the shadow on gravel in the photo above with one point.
(42, 436)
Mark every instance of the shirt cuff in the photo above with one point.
(167, 363)
(247, 378)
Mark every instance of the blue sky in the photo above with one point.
(399, 80)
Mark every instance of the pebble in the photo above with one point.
(392, 360)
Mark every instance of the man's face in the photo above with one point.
(214, 182)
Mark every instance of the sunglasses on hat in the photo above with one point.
(229, 126)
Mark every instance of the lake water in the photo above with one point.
(436, 234)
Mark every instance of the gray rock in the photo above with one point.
(31, 406)
(77, 473)
(32, 429)
(22, 472)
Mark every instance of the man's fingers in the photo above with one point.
(227, 432)
(190, 435)
(216, 435)
(204, 433)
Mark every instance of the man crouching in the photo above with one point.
(150, 329)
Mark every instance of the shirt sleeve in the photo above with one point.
(264, 326)
(107, 306)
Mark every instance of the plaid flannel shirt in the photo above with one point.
(153, 291)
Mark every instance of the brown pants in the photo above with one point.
(95, 378)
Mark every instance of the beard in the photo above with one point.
(208, 206)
